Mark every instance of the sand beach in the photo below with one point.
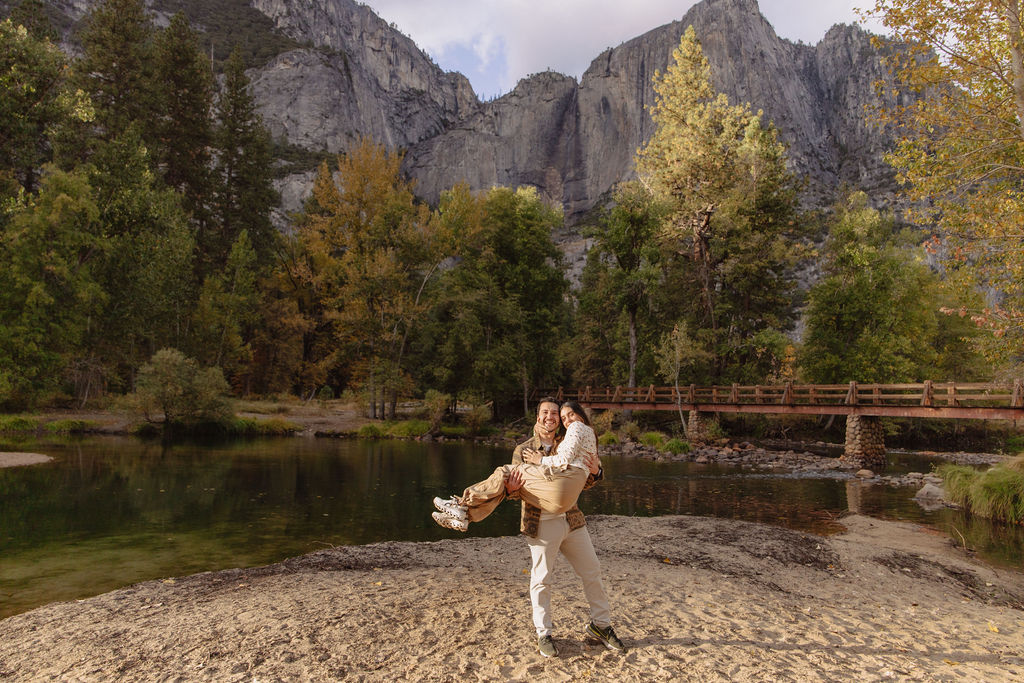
(694, 598)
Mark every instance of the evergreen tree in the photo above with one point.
(732, 227)
(245, 192)
(227, 310)
(49, 291)
(147, 262)
(874, 315)
(32, 14)
(116, 68)
(626, 246)
(494, 331)
(180, 127)
(34, 98)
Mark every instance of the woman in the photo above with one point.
(553, 485)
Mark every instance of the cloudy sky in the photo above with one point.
(497, 42)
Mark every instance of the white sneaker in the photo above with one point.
(449, 522)
(450, 506)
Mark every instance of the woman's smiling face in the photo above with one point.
(569, 416)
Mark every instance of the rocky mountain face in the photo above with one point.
(571, 140)
(355, 75)
(574, 141)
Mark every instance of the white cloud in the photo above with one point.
(510, 39)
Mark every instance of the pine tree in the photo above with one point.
(34, 98)
(180, 128)
(732, 227)
(245, 192)
(116, 66)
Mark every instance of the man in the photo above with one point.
(567, 533)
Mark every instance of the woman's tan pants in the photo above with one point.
(554, 492)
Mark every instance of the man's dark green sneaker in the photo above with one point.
(607, 636)
(547, 646)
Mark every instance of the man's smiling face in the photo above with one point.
(547, 416)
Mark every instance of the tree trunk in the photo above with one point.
(632, 346)
(526, 392)
(1015, 40)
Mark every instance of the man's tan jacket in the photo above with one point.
(530, 519)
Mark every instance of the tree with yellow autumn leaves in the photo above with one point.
(960, 147)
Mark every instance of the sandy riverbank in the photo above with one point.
(695, 598)
(21, 459)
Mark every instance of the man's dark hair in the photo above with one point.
(549, 399)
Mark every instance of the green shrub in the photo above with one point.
(18, 423)
(176, 386)
(249, 426)
(70, 426)
(370, 431)
(1015, 444)
(476, 418)
(325, 394)
(408, 429)
(453, 432)
(630, 431)
(714, 430)
(435, 405)
(608, 439)
(652, 439)
(677, 446)
(603, 422)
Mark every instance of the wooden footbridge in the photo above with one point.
(862, 404)
(956, 400)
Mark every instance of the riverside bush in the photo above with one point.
(17, 423)
(608, 439)
(676, 446)
(603, 421)
(435, 405)
(653, 439)
(630, 431)
(250, 426)
(370, 431)
(70, 426)
(476, 418)
(408, 429)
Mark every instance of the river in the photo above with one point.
(112, 511)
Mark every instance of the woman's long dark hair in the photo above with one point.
(578, 409)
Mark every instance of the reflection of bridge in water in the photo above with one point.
(862, 404)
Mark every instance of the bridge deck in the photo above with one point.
(927, 399)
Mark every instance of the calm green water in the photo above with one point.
(109, 512)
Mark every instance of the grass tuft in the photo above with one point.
(677, 446)
(653, 439)
(996, 493)
(407, 429)
(18, 423)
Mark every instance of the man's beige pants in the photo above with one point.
(554, 493)
(553, 537)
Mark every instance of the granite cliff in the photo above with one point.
(352, 75)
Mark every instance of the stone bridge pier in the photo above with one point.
(865, 442)
(697, 426)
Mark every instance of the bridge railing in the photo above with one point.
(925, 394)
